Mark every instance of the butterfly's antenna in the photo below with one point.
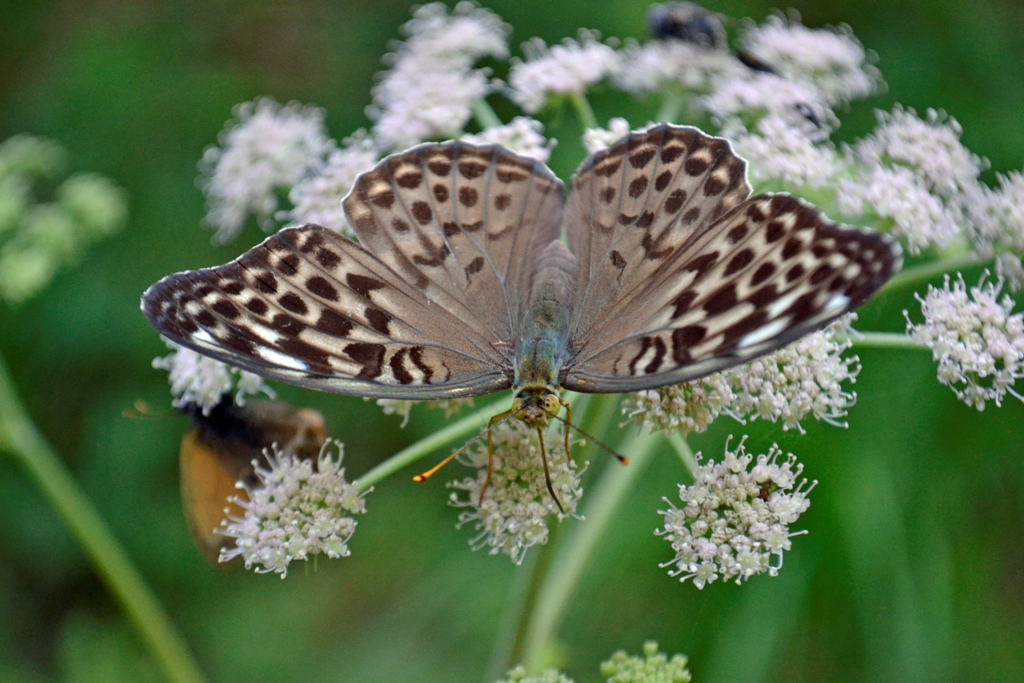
(420, 478)
(621, 458)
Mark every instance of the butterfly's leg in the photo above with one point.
(568, 425)
(547, 472)
(490, 452)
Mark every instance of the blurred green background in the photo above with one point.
(914, 565)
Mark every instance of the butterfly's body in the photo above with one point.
(461, 283)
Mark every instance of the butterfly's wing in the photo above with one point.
(422, 309)
(683, 275)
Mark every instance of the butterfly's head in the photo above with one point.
(536, 405)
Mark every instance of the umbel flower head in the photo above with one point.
(203, 381)
(298, 509)
(734, 518)
(976, 340)
(265, 149)
(513, 513)
(802, 379)
(653, 667)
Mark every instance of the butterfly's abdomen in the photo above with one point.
(544, 331)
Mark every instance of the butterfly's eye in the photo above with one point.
(551, 404)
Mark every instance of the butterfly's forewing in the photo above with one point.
(421, 317)
(466, 223)
(717, 280)
(310, 307)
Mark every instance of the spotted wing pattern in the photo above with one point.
(426, 308)
(683, 275)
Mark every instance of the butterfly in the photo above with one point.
(461, 284)
(220, 450)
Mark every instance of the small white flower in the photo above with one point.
(832, 59)
(653, 667)
(785, 149)
(522, 135)
(597, 139)
(664, 64)
(565, 69)
(519, 675)
(512, 516)
(685, 407)
(752, 95)
(403, 407)
(317, 198)
(975, 338)
(297, 510)
(930, 147)
(454, 39)
(413, 103)
(732, 521)
(429, 89)
(918, 216)
(197, 379)
(997, 224)
(266, 148)
(802, 379)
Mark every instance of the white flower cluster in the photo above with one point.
(522, 135)
(975, 338)
(653, 667)
(916, 173)
(831, 59)
(597, 139)
(48, 219)
(298, 509)
(781, 149)
(918, 217)
(317, 197)
(732, 521)
(997, 219)
(197, 379)
(802, 379)
(564, 69)
(430, 87)
(660, 65)
(265, 149)
(930, 146)
(760, 94)
(519, 675)
(512, 516)
(403, 407)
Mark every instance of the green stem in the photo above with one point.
(886, 340)
(671, 106)
(20, 437)
(586, 114)
(508, 648)
(557, 582)
(910, 277)
(484, 114)
(683, 450)
(474, 423)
